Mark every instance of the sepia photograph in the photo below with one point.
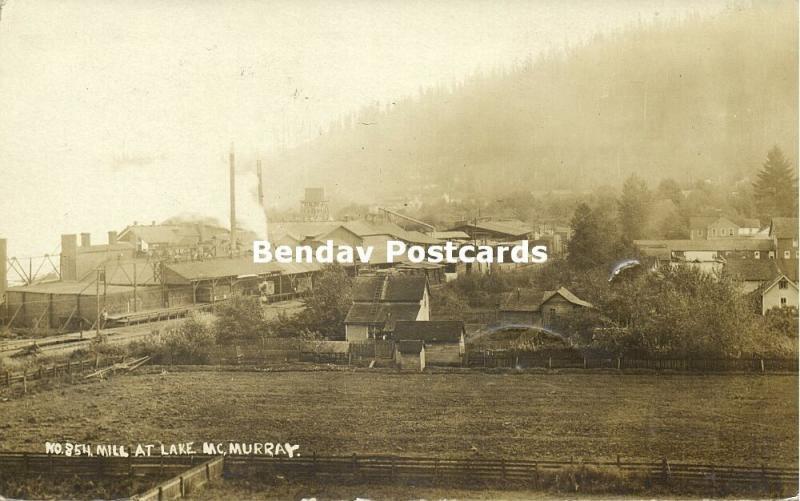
(399, 250)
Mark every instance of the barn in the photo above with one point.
(410, 355)
(443, 339)
(539, 309)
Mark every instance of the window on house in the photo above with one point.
(757, 255)
(783, 302)
(783, 284)
(730, 232)
(787, 254)
(772, 254)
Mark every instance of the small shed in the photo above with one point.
(410, 355)
(443, 339)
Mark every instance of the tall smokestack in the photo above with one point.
(69, 251)
(261, 199)
(86, 239)
(233, 200)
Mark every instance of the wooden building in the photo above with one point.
(410, 355)
(443, 339)
(379, 301)
(539, 309)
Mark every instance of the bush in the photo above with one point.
(192, 343)
(240, 319)
(782, 321)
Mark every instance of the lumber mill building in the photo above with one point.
(119, 282)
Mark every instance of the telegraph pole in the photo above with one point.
(97, 300)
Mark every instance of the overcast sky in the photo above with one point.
(113, 111)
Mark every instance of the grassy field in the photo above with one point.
(728, 419)
(232, 489)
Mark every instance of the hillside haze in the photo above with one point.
(690, 99)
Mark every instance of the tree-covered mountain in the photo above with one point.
(688, 99)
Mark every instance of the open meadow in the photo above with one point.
(722, 419)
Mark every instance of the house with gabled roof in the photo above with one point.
(781, 292)
(539, 309)
(444, 340)
(379, 301)
(713, 227)
(784, 233)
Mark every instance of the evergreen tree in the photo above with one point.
(634, 208)
(670, 189)
(775, 191)
(592, 240)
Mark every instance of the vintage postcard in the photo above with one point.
(382, 250)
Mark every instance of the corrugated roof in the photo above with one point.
(433, 331)
(760, 270)
(71, 288)
(237, 266)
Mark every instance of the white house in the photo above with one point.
(779, 293)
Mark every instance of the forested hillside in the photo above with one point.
(688, 99)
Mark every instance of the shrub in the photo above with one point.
(192, 343)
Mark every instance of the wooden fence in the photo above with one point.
(186, 482)
(67, 369)
(529, 473)
(528, 360)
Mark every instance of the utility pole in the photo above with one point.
(97, 301)
(232, 169)
(135, 297)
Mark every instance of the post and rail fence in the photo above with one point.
(70, 368)
(190, 472)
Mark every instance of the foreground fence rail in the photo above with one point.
(66, 369)
(190, 472)
(185, 482)
(527, 360)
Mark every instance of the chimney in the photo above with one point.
(86, 239)
(69, 250)
(233, 200)
(112, 237)
(3, 260)
(201, 232)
